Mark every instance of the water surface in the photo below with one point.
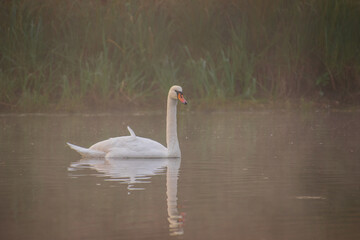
(242, 175)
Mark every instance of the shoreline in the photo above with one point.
(194, 105)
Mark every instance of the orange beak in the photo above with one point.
(181, 98)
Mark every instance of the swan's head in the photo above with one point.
(176, 93)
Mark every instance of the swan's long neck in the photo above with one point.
(171, 129)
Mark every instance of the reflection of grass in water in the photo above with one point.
(76, 53)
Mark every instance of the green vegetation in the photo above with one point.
(72, 54)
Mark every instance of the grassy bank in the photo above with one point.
(69, 55)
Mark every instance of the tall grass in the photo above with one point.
(75, 54)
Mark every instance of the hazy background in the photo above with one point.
(72, 54)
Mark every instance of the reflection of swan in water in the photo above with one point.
(133, 171)
(130, 171)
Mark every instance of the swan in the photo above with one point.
(138, 147)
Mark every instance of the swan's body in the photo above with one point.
(138, 147)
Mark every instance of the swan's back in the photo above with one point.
(130, 147)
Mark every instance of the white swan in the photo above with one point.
(137, 147)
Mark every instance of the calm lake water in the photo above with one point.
(242, 175)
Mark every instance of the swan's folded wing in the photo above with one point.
(118, 142)
(110, 143)
(131, 147)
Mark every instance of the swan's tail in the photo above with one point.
(86, 152)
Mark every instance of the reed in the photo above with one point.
(73, 54)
